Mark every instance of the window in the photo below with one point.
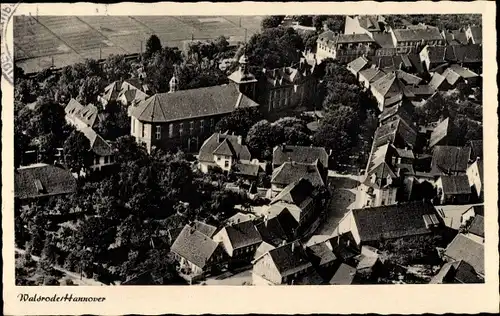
(143, 130)
(226, 164)
(218, 158)
(191, 127)
(170, 130)
(181, 129)
(212, 124)
(133, 126)
(202, 126)
(106, 159)
(158, 131)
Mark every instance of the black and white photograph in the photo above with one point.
(249, 158)
(248, 150)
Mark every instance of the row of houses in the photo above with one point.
(372, 36)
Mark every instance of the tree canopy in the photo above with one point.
(272, 21)
(76, 150)
(153, 45)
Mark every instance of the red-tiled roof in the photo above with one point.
(193, 103)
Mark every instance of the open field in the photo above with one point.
(59, 41)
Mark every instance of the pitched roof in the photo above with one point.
(42, 180)
(247, 169)
(398, 109)
(240, 217)
(87, 114)
(111, 91)
(204, 228)
(452, 214)
(456, 184)
(465, 273)
(440, 132)
(263, 248)
(371, 22)
(407, 78)
(394, 221)
(192, 103)
(243, 234)
(296, 192)
(332, 38)
(436, 81)
(194, 246)
(388, 132)
(455, 72)
(472, 53)
(372, 74)
(344, 246)
(467, 249)
(416, 62)
(426, 34)
(272, 232)
(391, 86)
(299, 154)
(290, 258)
(344, 275)
(477, 226)
(440, 54)
(223, 144)
(97, 144)
(384, 40)
(290, 172)
(477, 34)
(321, 253)
(379, 170)
(450, 158)
(455, 37)
(358, 64)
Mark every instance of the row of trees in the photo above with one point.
(442, 21)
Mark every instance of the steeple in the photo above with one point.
(174, 82)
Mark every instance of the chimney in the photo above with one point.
(218, 138)
(240, 139)
(293, 246)
(347, 243)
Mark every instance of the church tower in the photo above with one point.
(244, 79)
(174, 82)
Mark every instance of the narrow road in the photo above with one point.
(72, 275)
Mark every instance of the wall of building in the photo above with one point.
(348, 224)
(352, 26)
(100, 162)
(474, 178)
(223, 238)
(265, 271)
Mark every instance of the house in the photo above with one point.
(345, 47)
(454, 37)
(392, 63)
(458, 272)
(399, 111)
(240, 240)
(450, 160)
(290, 172)
(42, 180)
(204, 228)
(103, 153)
(370, 225)
(453, 189)
(370, 75)
(474, 34)
(300, 198)
(380, 183)
(240, 217)
(435, 56)
(281, 265)
(476, 228)
(439, 83)
(223, 151)
(364, 24)
(273, 232)
(127, 92)
(395, 130)
(442, 134)
(299, 154)
(321, 256)
(344, 247)
(357, 65)
(343, 276)
(183, 118)
(389, 90)
(282, 89)
(456, 216)
(467, 249)
(82, 116)
(198, 255)
(456, 74)
(476, 178)
(418, 37)
(470, 56)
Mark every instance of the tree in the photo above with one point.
(76, 150)
(153, 45)
(90, 89)
(274, 47)
(159, 68)
(338, 132)
(335, 23)
(239, 122)
(306, 20)
(272, 21)
(116, 67)
(309, 39)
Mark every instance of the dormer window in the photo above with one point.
(39, 186)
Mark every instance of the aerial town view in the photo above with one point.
(248, 150)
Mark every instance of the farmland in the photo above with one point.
(59, 41)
